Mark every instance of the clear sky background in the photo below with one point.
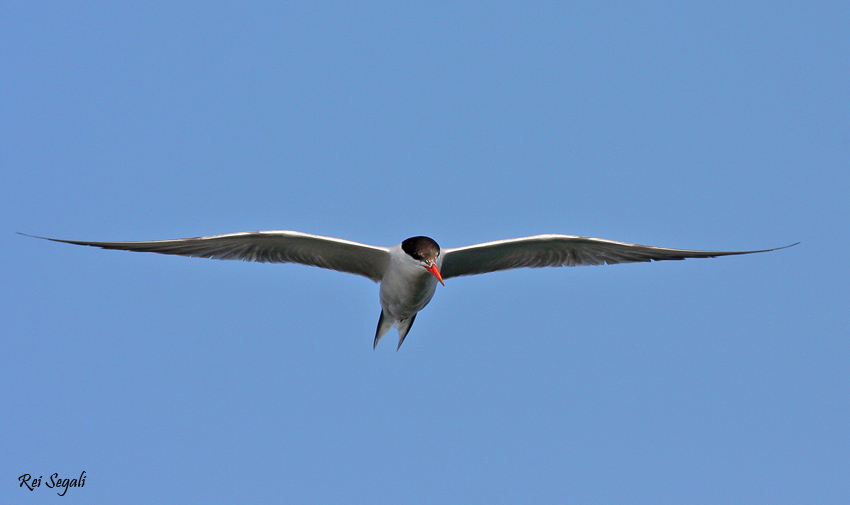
(704, 125)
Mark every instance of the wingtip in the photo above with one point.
(785, 246)
(40, 237)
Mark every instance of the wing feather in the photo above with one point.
(267, 247)
(560, 251)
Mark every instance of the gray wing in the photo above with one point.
(267, 247)
(559, 251)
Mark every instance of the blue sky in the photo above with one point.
(721, 126)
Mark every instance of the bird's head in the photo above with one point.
(425, 250)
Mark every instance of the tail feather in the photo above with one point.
(384, 325)
(403, 327)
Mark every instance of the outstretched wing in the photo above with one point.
(560, 251)
(267, 247)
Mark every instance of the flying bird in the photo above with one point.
(408, 272)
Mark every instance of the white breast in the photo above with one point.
(406, 287)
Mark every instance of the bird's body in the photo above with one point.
(409, 272)
(407, 287)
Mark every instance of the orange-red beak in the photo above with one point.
(433, 270)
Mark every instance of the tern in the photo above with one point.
(408, 272)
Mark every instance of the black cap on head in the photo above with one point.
(421, 248)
